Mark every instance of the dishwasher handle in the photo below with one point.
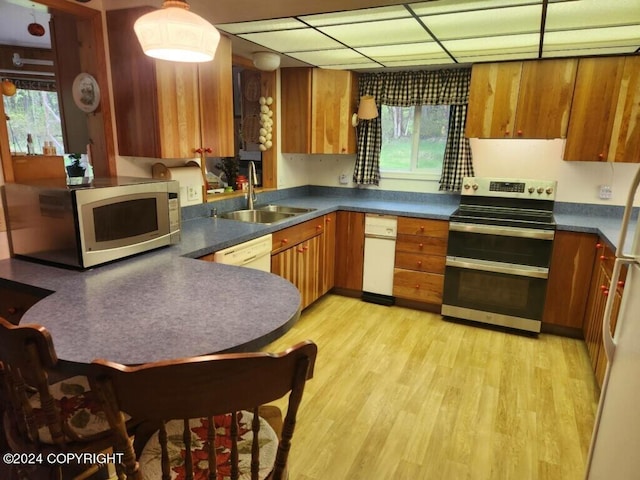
(380, 236)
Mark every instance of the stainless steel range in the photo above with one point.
(499, 251)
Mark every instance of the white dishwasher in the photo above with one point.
(255, 253)
(379, 257)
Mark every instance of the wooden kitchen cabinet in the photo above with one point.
(570, 272)
(528, 99)
(349, 257)
(298, 254)
(317, 106)
(17, 298)
(605, 114)
(420, 256)
(598, 293)
(168, 109)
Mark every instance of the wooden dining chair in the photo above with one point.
(210, 413)
(40, 416)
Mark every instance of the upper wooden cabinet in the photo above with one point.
(168, 109)
(605, 115)
(520, 99)
(317, 106)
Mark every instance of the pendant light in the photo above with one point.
(176, 34)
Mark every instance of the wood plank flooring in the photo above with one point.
(402, 394)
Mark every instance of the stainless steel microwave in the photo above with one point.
(89, 224)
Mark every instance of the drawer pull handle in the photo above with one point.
(420, 246)
(598, 245)
(603, 257)
(417, 286)
(285, 240)
(419, 263)
(621, 283)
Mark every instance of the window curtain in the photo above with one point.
(406, 89)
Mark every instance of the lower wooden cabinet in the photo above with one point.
(17, 298)
(421, 249)
(569, 278)
(598, 294)
(349, 257)
(300, 254)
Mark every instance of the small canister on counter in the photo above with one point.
(242, 183)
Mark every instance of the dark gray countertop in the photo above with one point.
(164, 304)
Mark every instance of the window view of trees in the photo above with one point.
(413, 138)
(33, 112)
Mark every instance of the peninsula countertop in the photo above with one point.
(166, 304)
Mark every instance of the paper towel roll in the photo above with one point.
(189, 177)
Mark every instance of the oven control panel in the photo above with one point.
(509, 188)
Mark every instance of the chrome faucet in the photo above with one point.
(253, 179)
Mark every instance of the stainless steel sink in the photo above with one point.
(286, 209)
(257, 216)
(266, 214)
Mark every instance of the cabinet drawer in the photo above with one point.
(420, 263)
(419, 286)
(288, 237)
(421, 245)
(423, 226)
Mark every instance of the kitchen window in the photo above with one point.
(413, 140)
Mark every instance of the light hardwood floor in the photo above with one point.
(402, 394)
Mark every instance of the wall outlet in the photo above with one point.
(343, 179)
(605, 192)
(192, 193)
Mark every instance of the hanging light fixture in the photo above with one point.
(176, 34)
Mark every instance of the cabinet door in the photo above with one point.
(349, 258)
(569, 278)
(544, 99)
(593, 110)
(328, 253)
(493, 98)
(625, 143)
(595, 312)
(295, 85)
(301, 266)
(216, 102)
(178, 115)
(333, 103)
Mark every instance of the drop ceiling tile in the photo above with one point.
(292, 40)
(330, 57)
(261, 26)
(356, 16)
(479, 56)
(354, 66)
(418, 63)
(592, 13)
(385, 32)
(582, 52)
(408, 53)
(448, 6)
(482, 23)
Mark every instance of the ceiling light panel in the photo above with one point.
(494, 48)
(330, 57)
(408, 52)
(378, 33)
(356, 16)
(581, 52)
(593, 38)
(592, 13)
(354, 66)
(450, 6)
(484, 23)
(299, 40)
(261, 26)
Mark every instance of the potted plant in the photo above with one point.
(75, 169)
(229, 166)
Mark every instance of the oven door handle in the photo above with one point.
(502, 230)
(497, 267)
